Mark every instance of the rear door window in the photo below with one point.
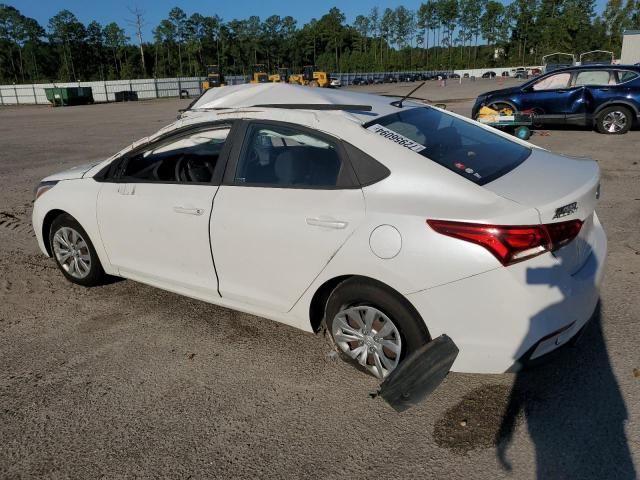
(471, 151)
(593, 77)
(285, 157)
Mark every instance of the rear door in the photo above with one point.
(288, 203)
(153, 211)
(600, 87)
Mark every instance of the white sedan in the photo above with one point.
(387, 223)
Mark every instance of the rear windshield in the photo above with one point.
(469, 150)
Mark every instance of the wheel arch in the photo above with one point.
(321, 296)
(618, 103)
(46, 226)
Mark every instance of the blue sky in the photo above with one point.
(106, 11)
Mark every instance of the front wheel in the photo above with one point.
(614, 120)
(74, 253)
(372, 326)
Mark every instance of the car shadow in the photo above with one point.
(574, 410)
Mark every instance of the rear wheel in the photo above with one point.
(373, 327)
(314, 83)
(614, 120)
(74, 253)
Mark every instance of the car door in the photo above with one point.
(600, 86)
(554, 98)
(288, 203)
(153, 211)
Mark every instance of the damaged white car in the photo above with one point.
(390, 222)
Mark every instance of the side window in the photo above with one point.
(593, 77)
(188, 159)
(553, 82)
(287, 157)
(626, 75)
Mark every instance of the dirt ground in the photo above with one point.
(127, 380)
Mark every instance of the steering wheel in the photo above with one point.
(180, 173)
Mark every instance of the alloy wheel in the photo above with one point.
(614, 121)
(72, 252)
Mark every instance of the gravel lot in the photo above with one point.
(127, 380)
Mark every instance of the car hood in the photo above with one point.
(502, 91)
(72, 173)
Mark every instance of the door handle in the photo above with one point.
(126, 189)
(189, 211)
(327, 223)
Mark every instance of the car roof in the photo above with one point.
(597, 66)
(279, 95)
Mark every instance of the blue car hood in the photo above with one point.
(503, 91)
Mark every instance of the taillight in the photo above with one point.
(511, 244)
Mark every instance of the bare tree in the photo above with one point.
(138, 23)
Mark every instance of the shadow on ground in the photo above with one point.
(571, 405)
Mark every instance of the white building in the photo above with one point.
(630, 47)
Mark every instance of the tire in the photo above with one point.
(67, 237)
(362, 298)
(614, 120)
(314, 83)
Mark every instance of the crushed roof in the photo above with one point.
(251, 95)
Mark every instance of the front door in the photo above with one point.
(154, 218)
(554, 98)
(285, 209)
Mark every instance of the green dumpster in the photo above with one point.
(69, 95)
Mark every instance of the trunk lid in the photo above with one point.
(560, 188)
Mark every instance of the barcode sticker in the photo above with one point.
(396, 137)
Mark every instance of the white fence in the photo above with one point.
(148, 88)
(104, 91)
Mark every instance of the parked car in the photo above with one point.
(466, 75)
(389, 78)
(535, 72)
(406, 77)
(359, 81)
(604, 96)
(389, 223)
(489, 74)
(520, 72)
(504, 73)
(454, 75)
(378, 80)
(335, 82)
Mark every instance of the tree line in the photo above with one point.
(440, 34)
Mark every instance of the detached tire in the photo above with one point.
(614, 120)
(74, 253)
(372, 326)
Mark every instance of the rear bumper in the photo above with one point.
(521, 312)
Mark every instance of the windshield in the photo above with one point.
(464, 148)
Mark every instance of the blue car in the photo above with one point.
(604, 96)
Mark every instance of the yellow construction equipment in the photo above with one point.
(282, 76)
(258, 74)
(214, 78)
(310, 77)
